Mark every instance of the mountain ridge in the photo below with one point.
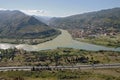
(15, 24)
(91, 24)
(81, 18)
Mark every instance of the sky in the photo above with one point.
(57, 8)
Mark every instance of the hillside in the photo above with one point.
(15, 24)
(95, 22)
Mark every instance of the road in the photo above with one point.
(29, 68)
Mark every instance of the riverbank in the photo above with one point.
(102, 40)
(30, 41)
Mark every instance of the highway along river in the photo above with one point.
(63, 40)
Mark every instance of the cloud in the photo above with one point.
(32, 12)
(35, 12)
(3, 9)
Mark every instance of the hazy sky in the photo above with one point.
(58, 7)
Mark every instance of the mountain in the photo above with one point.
(15, 24)
(95, 22)
(43, 19)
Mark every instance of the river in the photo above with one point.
(63, 40)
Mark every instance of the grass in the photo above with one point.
(94, 74)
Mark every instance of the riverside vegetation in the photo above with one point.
(31, 41)
(109, 41)
(59, 56)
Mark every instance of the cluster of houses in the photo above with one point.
(81, 33)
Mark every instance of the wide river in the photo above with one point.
(63, 40)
